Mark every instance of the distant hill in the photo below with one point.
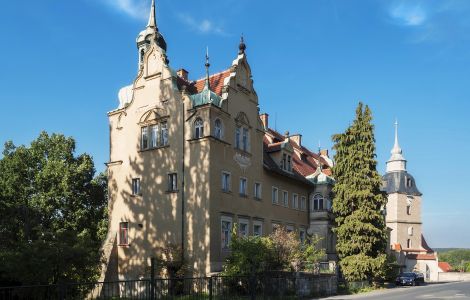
(442, 250)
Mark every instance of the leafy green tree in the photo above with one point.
(358, 202)
(53, 212)
(457, 258)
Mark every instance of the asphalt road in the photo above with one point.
(457, 290)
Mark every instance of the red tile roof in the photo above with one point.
(421, 256)
(216, 82)
(304, 164)
(445, 267)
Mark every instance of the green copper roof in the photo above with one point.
(206, 96)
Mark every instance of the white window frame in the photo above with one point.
(154, 135)
(257, 190)
(246, 222)
(172, 182)
(136, 188)
(295, 201)
(275, 195)
(285, 198)
(243, 187)
(225, 241)
(303, 203)
(144, 139)
(226, 185)
(164, 133)
(290, 228)
(218, 129)
(260, 224)
(198, 128)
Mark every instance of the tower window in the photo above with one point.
(218, 129)
(198, 128)
(225, 181)
(142, 53)
(317, 202)
(408, 210)
(408, 244)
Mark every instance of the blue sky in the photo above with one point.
(63, 62)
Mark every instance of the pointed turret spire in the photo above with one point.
(152, 19)
(396, 162)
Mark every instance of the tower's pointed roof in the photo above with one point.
(152, 19)
(151, 32)
(397, 162)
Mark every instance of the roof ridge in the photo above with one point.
(215, 74)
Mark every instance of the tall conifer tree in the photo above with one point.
(358, 203)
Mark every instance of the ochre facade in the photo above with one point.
(189, 159)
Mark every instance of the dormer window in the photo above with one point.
(198, 128)
(286, 162)
(409, 182)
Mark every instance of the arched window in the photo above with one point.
(317, 202)
(218, 129)
(408, 210)
(410, 230)
(198, 128)
(142, 53)
(408, 243)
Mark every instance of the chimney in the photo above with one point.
(183, 74)
(264, 119)
(324, 152)
(297, 138)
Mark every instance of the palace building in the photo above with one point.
(191, 158)
(404, 218)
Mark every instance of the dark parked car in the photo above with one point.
(409, 278)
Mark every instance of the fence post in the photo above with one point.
(252, 286)
(152, 278)
(210, 288)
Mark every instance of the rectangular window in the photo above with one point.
(275, 195)
(164, 134)
(303, 203)
(289, 163)
(144, 138)
(136, 186)
(257, 228)
(237, 137)
(302, 235)
(226, 229)
(295, 201)
(154, 136)
(225, 181)
(289, 228)
(124, 233)
(257, 190)
(243, 227)
(172, 182)
(243, 186)
(283, 161)
(245, 139)
(285, 198)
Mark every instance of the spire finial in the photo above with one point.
(241, 46)
(396, 162)
(152, 19)
(207, 85)
(396, 147)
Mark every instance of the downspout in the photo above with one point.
(182, 188)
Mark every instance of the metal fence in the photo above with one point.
(298, 286)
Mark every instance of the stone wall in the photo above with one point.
(453, 276)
